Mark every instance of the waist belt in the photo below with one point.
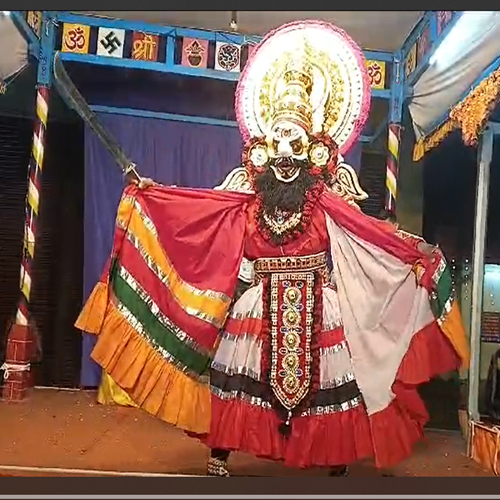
(286, 264)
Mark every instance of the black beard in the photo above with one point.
(287, 197)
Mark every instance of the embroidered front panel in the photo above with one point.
(290, 263)
(292, 308)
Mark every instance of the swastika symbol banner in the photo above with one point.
(110, 42)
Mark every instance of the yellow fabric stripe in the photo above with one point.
(204, 305)
(110, 393)
(453, 328)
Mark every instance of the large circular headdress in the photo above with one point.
(340, 93)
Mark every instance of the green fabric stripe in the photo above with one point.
(157, 333)
(443, 292)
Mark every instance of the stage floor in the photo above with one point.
(59, 433)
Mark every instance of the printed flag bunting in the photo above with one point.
(145, 46)
(110, 42)
(423, 44)
(443, 18)
(34, 20)
(227, 57)
(411, 60)
(75, 38)
(194, 53)
(376, 74)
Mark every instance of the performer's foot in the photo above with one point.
(217, 467)
(339, 471)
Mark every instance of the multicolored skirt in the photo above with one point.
(282, 379)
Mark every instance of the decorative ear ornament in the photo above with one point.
(346, 184)
(255, 155)
(323, 154)
(237, 180)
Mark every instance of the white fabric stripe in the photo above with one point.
(331, 309)
(249, 304)
(335, 366)
(241, 356)
(382, 309)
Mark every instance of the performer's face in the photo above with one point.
(288, 146)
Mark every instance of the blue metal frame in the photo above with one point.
(44, 50)
(171, 32)
(47, 42)
(148, 65)
(397, 88)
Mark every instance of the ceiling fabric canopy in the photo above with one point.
(373, 30)
(14, 56)
(467, 51)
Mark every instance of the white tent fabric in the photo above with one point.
(14, 49)
(469, 48)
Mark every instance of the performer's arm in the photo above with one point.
(143, 183)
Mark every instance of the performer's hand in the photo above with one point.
(145, 182)
(426, 248)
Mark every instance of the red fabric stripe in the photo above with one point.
(391, 163)
(321, 440)
(248, 326)
(430, 354)
(253, 326)
(202, 232)
(200, 331)
(388, 436)
(330, 338)
(117, 242)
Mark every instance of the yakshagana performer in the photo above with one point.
(312, 365)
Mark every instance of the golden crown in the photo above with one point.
(293, 103)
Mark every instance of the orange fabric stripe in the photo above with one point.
(453, 328)
(153, 383)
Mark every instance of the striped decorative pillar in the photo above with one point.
(16, 368)
(391, 179)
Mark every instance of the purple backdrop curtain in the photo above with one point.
(179, 153)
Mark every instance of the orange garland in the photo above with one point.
(431, 141)
(472, 114)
